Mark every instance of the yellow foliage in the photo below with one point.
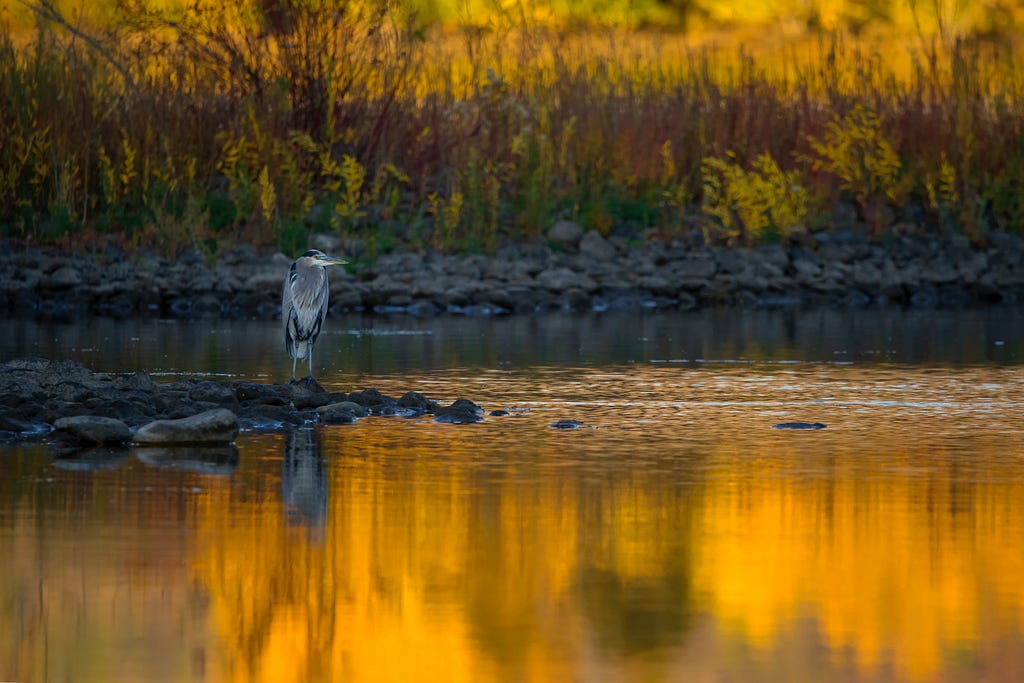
(749, 203)
(232, 152)
(941, 188)
(855, 149)
(108, 177)
(268, 196)
(128, 170)
(352, 174)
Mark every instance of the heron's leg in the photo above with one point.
(311, 361)
(294, 361)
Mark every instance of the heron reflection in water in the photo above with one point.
(304, 478)
(304, 304)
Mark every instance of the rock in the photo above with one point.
(348, 406)
(701, 268)
(461, 411)
(131, 412)
(66, 277)
(136, 381)
(370, 398)
(250, 391)
(65, 371)
(305, 401)
(264, 417)
(94, 429)
(560, 279)
(567, 424)
(218, 426)
(417, 401)
(212, 392)
(799, 425)
(594, 246)
(307, 393)
(565, 234)
(337, 417)
(11, 428)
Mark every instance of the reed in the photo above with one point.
(266, 121)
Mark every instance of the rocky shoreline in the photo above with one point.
(71, 406)
(572, 270)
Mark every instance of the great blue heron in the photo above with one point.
(304, 304)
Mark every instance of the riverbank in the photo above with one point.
(572, 270)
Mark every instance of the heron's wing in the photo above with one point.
(288, 312)
(306, 294)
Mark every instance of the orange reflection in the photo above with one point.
(434, 565)
(391, 550)
(904, 571)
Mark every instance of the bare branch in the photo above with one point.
(47, 11)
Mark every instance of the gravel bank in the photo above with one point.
(573, 270)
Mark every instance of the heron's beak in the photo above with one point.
(330, 261)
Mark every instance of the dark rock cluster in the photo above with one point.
(65, 401)
(573, 270)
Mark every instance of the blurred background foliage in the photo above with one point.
(463, 125)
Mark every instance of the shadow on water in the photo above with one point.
(91, 459)
(219, 460)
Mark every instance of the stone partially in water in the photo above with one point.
(212, 392)
(341, 413)
(13, 428)
(218, 426)
(94, 429)
(567, 424)
(461, 411)
(307, 393)
(417, 401)
(799, 425)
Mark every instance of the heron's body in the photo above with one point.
(304, 304)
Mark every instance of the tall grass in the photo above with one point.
(267, 121)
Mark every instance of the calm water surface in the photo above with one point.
(677, 537)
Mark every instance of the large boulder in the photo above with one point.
(94, 429)
(217, 426)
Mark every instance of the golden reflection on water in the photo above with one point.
(677, 538)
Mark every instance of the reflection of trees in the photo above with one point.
(544, 574)
(535, 561)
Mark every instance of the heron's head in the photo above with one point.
(319, 258)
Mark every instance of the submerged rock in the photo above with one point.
(799, 425)
(218, 426)
(567, 424)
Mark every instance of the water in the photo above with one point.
(675, 536)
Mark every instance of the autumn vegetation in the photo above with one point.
(460, 127)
